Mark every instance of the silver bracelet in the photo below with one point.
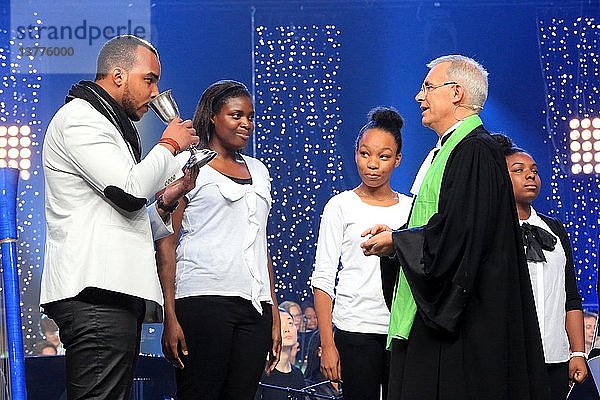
(577, 354)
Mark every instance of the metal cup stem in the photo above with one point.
(165, 107)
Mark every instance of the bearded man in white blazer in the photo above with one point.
(99, 265)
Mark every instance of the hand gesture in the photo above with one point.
(173, 339)
(578, 371)
(376, 229)
(182, 133)
(181, 186)
(381, 244)
(330, 363)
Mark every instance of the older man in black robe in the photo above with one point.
(463, 322)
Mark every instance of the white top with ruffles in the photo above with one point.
(223, 244)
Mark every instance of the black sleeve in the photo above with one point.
(573, 301)
(573, 296)
(389, 276)
(474, 196)
(390, 268)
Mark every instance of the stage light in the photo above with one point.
(25, 142)
(13, 130)
(585, 145)
(15, 151)
(25, 153)
(574, 124)
(25, 164)
(575, 135)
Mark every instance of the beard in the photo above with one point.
(128, 104)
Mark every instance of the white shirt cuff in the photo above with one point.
(160, 228)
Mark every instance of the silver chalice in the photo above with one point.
(166, 109)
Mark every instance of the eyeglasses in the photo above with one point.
(425, 88)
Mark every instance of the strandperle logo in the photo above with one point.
(66, 37)
(84, 31)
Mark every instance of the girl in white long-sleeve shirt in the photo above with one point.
(360, 314)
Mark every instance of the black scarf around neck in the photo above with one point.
(107, 106)
(536, 240)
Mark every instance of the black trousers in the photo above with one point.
(397, 362)
(559, 380)
(365, 364)
(227, 341)
(101, 332)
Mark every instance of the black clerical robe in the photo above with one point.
(476, 335)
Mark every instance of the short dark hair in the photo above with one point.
(211, 102)
(384, 118)
(507, 145)
(39, 347)
(120, 51)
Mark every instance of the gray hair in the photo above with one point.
(469, 74)
(288, 304)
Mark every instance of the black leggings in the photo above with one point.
(365, 364)
(227, 341)
(559, 380)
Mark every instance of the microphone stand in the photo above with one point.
(304, 391)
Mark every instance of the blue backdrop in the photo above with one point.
(316, 68)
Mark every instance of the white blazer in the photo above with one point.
(90, 242)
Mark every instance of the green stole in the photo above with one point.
(404, 308)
